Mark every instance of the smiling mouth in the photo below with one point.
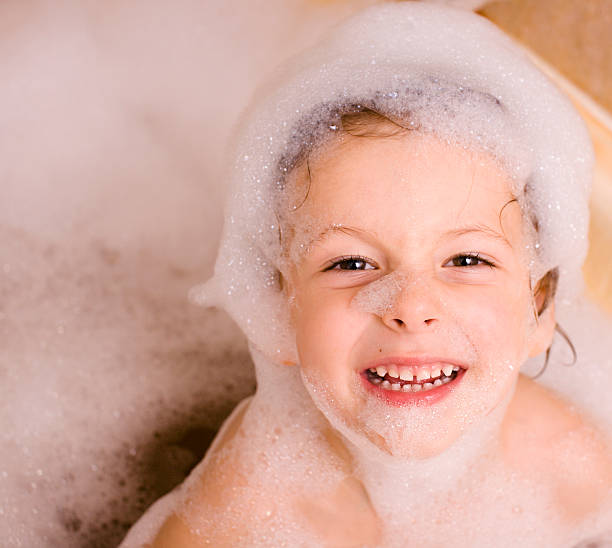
(407, 380)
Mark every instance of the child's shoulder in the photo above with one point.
(222, 488)
(215, 484)
(549, 440)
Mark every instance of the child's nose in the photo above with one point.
(410, 316)
(404, 302)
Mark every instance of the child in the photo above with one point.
(406, 209)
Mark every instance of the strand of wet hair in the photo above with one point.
(565, 336)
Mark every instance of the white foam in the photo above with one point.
(380, 296)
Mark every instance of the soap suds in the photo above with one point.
(103, 315)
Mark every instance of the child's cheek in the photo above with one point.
(497, 324)
(324, 330)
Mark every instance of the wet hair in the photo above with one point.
(364, 122)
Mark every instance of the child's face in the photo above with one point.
(393, 288)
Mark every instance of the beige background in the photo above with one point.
(574, 37)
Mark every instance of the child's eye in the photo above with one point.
(469, 259)
(350, 263)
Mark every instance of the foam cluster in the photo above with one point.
(435, 70)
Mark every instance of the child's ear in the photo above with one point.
(542, 337)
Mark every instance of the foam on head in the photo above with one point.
(437, 70)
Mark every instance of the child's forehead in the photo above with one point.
(413, 148)
(411, 170)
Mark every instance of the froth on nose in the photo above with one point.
(403, 302)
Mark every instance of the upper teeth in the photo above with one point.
(381, 370)
(423, 374)
(408, 373)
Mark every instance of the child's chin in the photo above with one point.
(387, 444)
(411, 448)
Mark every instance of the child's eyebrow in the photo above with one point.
(308, 244)
(333, 229)
(479, 228)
